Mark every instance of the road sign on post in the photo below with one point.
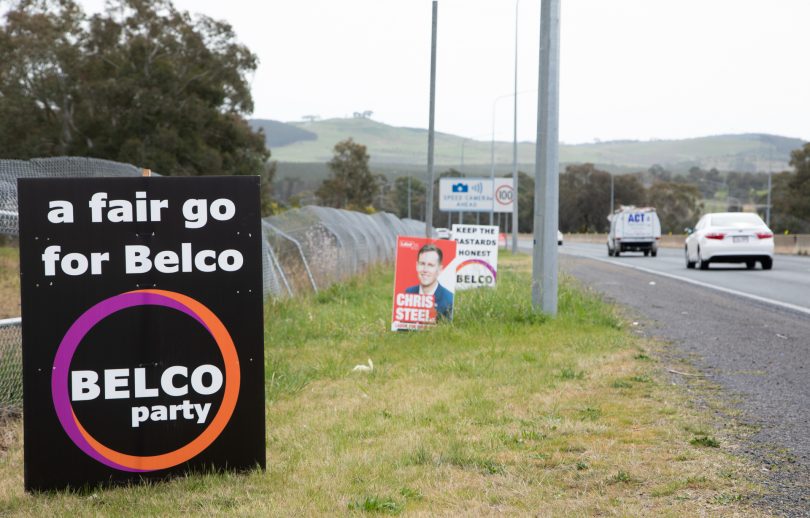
(465, 194)
(504, 198)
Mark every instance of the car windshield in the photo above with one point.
(738, 218)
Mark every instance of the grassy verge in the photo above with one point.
(500, 412)
(9, 282)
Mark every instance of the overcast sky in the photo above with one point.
(630, 69)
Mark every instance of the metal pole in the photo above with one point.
(461, 168)
(515, 226)
(611, 194)
(409, 196)
(431, 133)
(547, 167)
(492, 160)
(768, 208)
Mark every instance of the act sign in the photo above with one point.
(142, 330)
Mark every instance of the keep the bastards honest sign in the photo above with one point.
(142, 328)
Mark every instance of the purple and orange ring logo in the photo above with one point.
(67, 348)
(470, 262)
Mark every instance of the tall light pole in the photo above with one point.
(768, 208)
(547, 166)
(611, 195)
(514, 146)
(431, 132)
(463, 143)
(492, 152)
(409, 196)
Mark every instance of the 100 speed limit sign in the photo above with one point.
(504, 195)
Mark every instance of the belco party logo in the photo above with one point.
(475, 272)
(72, 386)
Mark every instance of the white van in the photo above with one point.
(634, 229)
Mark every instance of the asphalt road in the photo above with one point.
(787, 284)
(747, 332)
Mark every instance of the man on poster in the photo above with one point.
(428, 267)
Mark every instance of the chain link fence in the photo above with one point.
(303, 251)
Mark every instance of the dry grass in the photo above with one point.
(9, 282)
(500, 413)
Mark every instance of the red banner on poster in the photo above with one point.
(424, 282)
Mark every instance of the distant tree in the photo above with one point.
(781, 217)
(678, 205)
(799, 199)
(382, 200)
(399, 195)
(584, 199)
(628, 190)
(350, 184)
(140, 82)
(658, 173)
(525, 203)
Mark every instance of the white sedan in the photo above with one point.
(443, 233)
(729, 237)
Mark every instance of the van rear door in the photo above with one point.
(638, 225)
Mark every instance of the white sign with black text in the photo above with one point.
(476, 255)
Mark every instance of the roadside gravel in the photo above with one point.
(757, 355)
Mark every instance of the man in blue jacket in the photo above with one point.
(428, 268)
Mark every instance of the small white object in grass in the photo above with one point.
(652, 283)
(635, 323)
(364, 368)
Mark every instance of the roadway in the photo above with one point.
(745, 331)
(787, 285)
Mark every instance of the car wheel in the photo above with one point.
(654, 253)
(646, 253)
(689, 264)
(616, 250)
(767, 263)
(701, 263)
(610, 252)
(750, 264)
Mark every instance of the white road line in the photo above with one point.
(800, 309)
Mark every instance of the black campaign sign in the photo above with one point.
(142, 328)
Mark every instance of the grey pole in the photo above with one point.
(429, 198)
(409, 196)
(515, 228)
(547, 167)
(492, 160)
(461, 168)
(611, 195)
(768, 208)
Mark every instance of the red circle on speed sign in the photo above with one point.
(504, 194)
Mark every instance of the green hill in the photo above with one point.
(304, 147)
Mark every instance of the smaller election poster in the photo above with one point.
(477, 252)
(424, 282)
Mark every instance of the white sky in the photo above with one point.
(630, 69)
